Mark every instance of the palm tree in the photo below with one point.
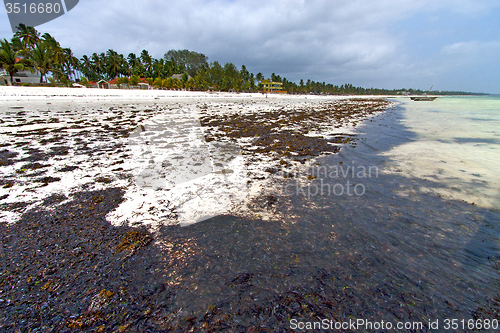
(134, 80)
(252, 81)
(102, 64)
(43, 60)
(132, 59)
(10, 59)
(158, 82)
(51, 41)
(98, 65)
(147, 61)
(159, 68)
(60, 59)
(113, 64)
(28, 36)
(215, 74)
(200, 80)
(86, 68)
(122, 80)
(134, 64)
(176, 84)
(168, 83)
(70, 62)
(190, 84)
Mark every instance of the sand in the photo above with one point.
(149, 143)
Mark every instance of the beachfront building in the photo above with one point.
(26, 77)
(179, 76)
(19, 77)
(4, 78)
(268, 86)
(113, 84)
(103, 84)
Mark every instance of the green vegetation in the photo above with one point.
(27, 50)
(8, 58)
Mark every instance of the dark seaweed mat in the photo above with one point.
(7, 157)
(232, 274)
(68, 168)
(225, 274)
(35, 155)
(268, 128)
(54, 258)
(286, 142)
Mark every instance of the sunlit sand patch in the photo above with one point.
(178, 174)
(9, 217)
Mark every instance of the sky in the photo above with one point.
(392, 44)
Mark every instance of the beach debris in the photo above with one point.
(133, 241)
(100, 300)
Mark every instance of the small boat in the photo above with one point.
(422, 98)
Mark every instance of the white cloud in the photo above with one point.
(472, 49)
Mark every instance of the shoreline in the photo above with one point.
(62, 92)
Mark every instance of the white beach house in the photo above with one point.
(19, 77)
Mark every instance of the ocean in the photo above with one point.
(457, 145)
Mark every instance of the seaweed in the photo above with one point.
(7, 157)
(286, 133)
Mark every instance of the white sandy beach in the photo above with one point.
(165, 166)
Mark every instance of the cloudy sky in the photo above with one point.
(448, 44)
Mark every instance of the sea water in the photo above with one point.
(456, 145)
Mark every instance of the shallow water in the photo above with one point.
(456, 144)
(396, 250)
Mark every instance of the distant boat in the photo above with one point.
(422, 98)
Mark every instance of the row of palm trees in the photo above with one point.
(158, 72)
(27, 50)
(110, 65)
